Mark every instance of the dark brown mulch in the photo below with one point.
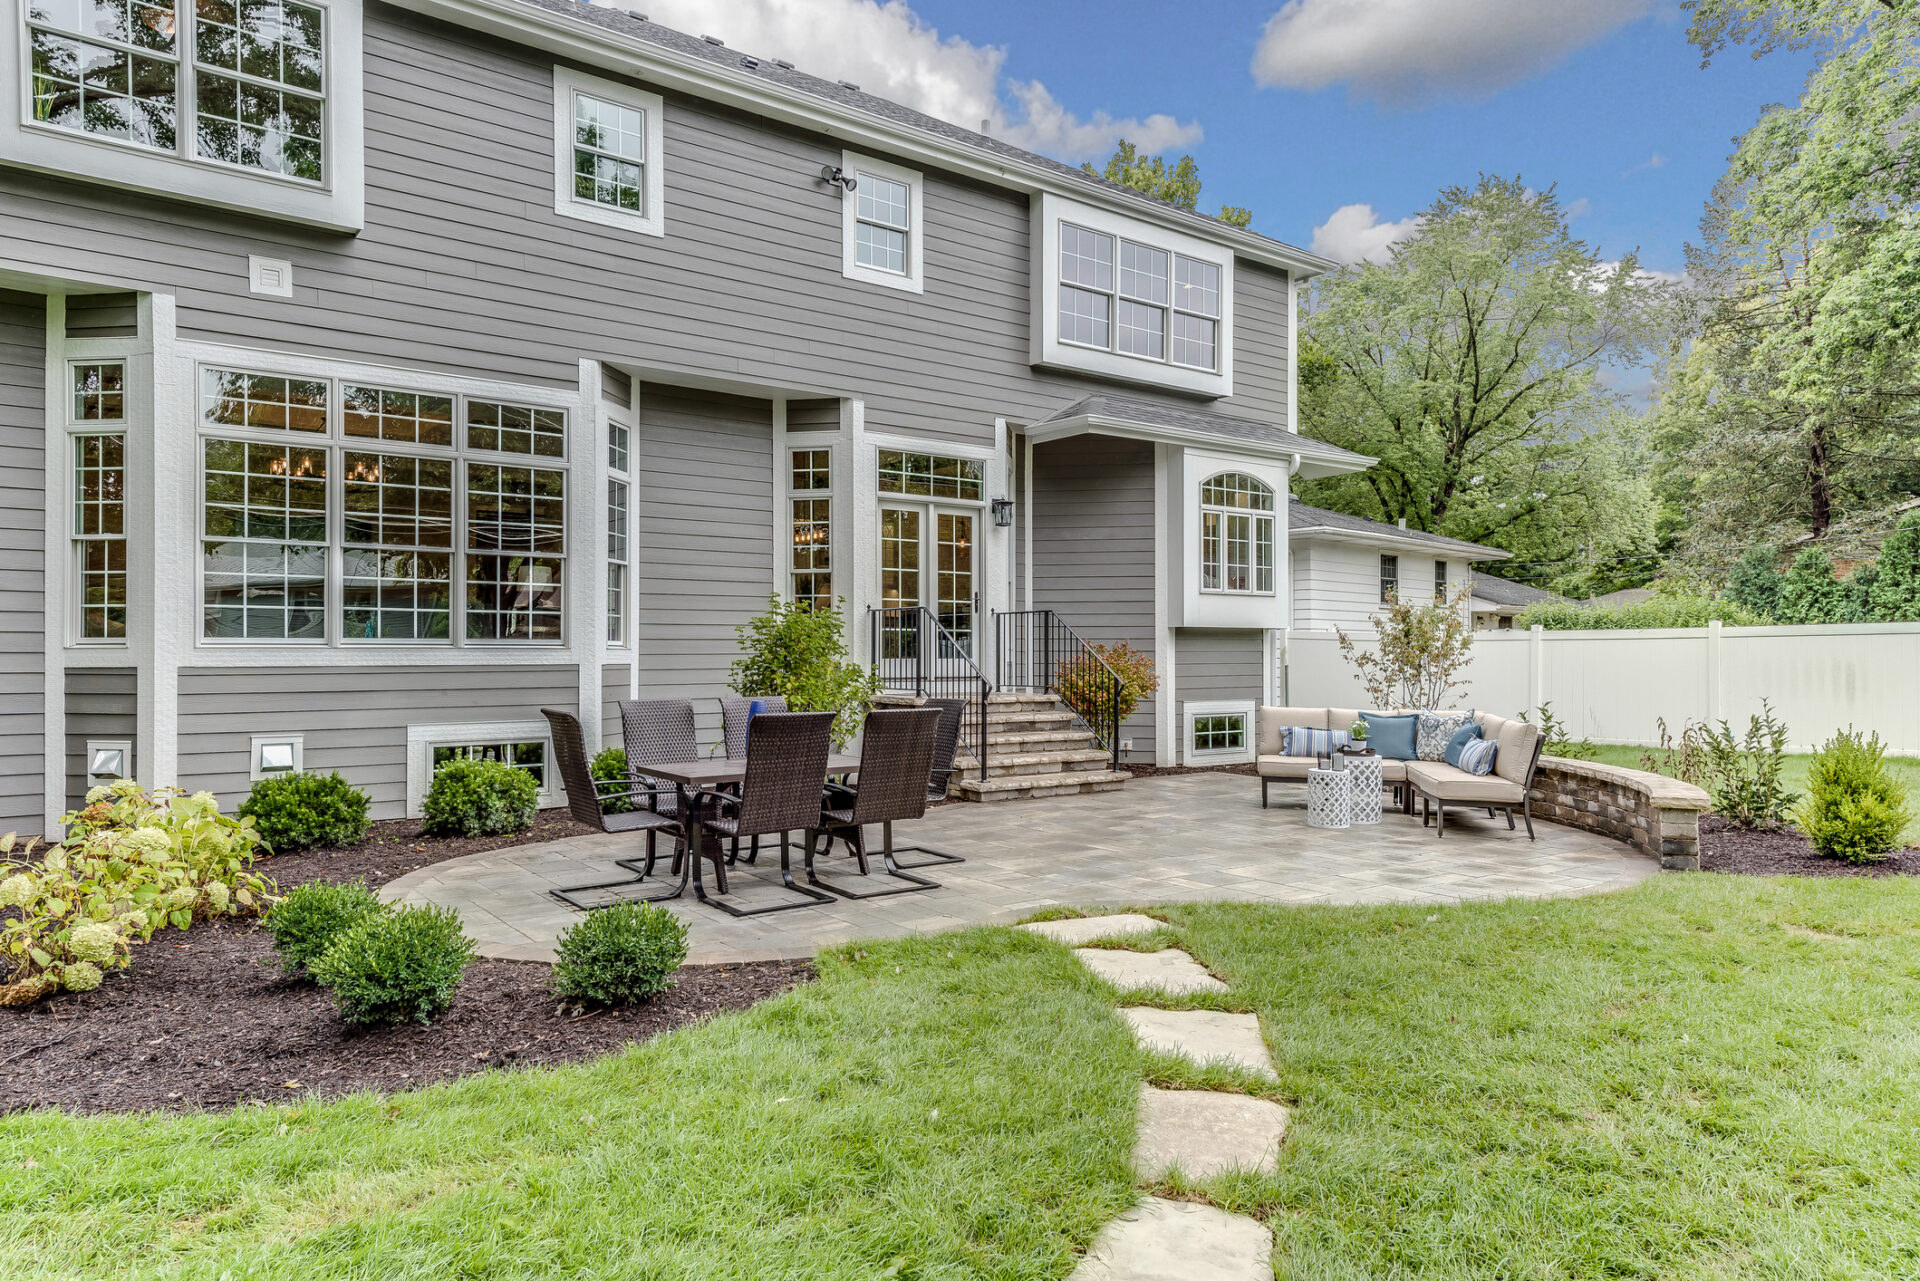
(1745, 852)
(205, 1019)
(1165, 771)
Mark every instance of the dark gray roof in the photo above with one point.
(1301, 516)
(1625, 596)
(638, 27)
(1155, 413)
(1504, 591)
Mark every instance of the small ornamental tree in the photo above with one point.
(1894, 596)
(1418, 655)
(798, 652)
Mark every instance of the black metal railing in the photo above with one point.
(916, 652)
(1035, 651)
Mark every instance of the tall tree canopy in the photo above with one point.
(1469, 365)
(1177, 184)
(1795, 412)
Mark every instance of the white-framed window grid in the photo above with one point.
(619, 555)
(1439, 582)
(1219, 732)
(810, 476)
(883, 222)
(1139, 300)
(235, 84)
(1236, 535)
(607, 153)
(98, 399)
(342, 442)
(1389, 578)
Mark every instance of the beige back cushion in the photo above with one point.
(1341, 718)
(1516, 741)
(1271, 720)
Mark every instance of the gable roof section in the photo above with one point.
(627, 43)
(1302, 519)
(1504, 591)
(1108, 414)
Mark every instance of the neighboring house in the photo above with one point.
(1496, 602)
(375, 376)
(1346, 568)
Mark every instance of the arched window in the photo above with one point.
(1236, 534)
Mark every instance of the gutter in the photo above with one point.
(1293, 451)
(1465, 551)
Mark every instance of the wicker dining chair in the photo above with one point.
(657, 730)
(586, 802)
(896, 753)
(734, 718)
(946, 746)
(786, 755)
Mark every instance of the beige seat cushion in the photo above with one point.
(1393, 771)
(1269, 721)
(1288, 767)
(1517, 740)
(1445, 783)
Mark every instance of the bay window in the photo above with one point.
(1138, 300)
(1236, 535)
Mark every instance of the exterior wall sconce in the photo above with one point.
(834, 173)
(1003, 512)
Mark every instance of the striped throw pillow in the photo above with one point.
(1313, 742)
(1476, 756)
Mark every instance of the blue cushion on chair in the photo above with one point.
(1295, 741)
(1461, 737)
(1392, 736)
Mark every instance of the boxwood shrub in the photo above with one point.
(619, 954)
(396, 966)
(300, 811)
(311, 916)
(480, 798)
(610, 766)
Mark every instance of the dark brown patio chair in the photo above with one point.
(586, 801)
(946, 745)
(896, 753)
(786, 763)
(658, 730)
(734, 718)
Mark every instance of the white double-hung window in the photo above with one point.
(881, 223)
(1236, 535)
(607, 140)
(1153, 295)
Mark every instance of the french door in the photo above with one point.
(927, 557)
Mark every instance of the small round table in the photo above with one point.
(1329, 798)
(1364, 773)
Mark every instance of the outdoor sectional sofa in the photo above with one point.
(1438, 783)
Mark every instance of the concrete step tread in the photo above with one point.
(1045, 783)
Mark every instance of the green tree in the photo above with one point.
(1894, 596)
(1177, 184)
(1810, 593)
(1754, 582)
(1469, 365)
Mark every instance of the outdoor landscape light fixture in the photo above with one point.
(834, 173)
(1003, 512)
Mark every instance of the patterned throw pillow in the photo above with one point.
(1312, 742)
(1476, 757)
(1436, 731)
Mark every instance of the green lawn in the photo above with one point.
(1907, 768)
(1703, 1077)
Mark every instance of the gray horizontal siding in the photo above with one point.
(813, 415)
(1093, 514)
(1260, 343)
(23, 489)
(354, 719)
(616, 387)
(614, 680)
(101, 704)
(103, 315)
(464, 266)
(704, 514)
(1218, 663)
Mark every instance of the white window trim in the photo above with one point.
(422, 739)
(298, 742)
(338, 202)
(1228, 756)
(1270, 516)
(651, 220)
(830, 447)
(1049, 351)
(912, 282)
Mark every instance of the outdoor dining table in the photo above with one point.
(713, 772)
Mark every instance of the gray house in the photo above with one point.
(373, 375)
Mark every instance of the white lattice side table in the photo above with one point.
(1329, 798)
(1364, 775)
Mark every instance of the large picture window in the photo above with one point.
(1236, 535)
(433, 545)
(1137, 300)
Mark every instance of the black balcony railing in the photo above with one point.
(914, 652)
(1037, 652)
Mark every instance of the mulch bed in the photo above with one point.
(1166, 771)
(1785, 852)
(205, 1018)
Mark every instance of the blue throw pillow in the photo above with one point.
(1295, 741)
(1477, 756)
(1392, 736)
(1461, 737)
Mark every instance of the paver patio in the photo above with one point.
(1183, 838)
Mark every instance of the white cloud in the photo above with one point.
(1655, 161)
(1579, 208)
(1355, 234)
(888, 50)
(1406, 52)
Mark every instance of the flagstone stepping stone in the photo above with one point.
(1161, 1240)
(1085, 929)
(1202, 1036)
(1169, 970)
(1205, 1132)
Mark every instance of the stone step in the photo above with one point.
(1036, 739)
(1202, 1133)
(1022, 787)
(1161, 1240)
(1013, 764)
(1007, 698)
(1168, 970)
(1059, 719)
(1074, 930)
(1202, 1037)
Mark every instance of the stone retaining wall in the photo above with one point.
(1657, 815)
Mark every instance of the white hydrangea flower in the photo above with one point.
(97, 794)
(206, 798)
(17, 890)
(81, 976)
(95, 942)
(181, 898)
(146, 842)
(217, 896)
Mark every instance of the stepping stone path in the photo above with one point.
(1197, 1132)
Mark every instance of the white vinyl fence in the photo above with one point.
(1614, 686)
